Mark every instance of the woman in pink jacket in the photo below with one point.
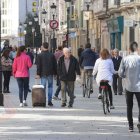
(21, 66)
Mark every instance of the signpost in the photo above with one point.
(54, 24)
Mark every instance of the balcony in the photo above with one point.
(125, 4)
(113, 6)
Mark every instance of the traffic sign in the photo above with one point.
(54, 24)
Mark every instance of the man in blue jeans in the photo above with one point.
(46, 68)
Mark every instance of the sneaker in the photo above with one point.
(56, 98)
(21, 105)
(131, 129)
(50, 104)
(99, 96)
(63, 105)
(70, 106)
(25, 103)
(138, 125)
(112, 107)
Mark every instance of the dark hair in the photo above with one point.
(45, 45)
(133, 46)
(104, 54)
(20, 50)
(60, 48)
(88, 45)
(6, 53)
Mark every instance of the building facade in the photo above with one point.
(119, 22)
(13, 13)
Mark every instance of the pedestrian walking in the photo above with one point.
(6, 69)
(21, 66)
(117, 81)
(46, 68)
(68, 66)
(57, 55)
(31, 55)
(130, 71)
(13, 53)
(80, 50)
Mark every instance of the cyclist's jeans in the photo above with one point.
(88, 72)
(129, 101)
(110, 93)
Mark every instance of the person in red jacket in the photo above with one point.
(21, 66)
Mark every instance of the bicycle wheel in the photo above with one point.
(104, 101)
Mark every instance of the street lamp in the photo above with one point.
(68, 20)
(53, 7)
(20, 29)
(88, 6)
(1, 95)
(44, 22)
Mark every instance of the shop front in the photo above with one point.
(116, 29)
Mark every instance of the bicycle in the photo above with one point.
(87, 86)
(105, 96)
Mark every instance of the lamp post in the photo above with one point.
(53, 7)
(1, 95)
(68, 19)
(34, 32)
(87, 22)
(44, 22)
(20, 29)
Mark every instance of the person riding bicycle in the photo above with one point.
(87, 62)
(104, 69)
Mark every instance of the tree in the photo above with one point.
(29, 33)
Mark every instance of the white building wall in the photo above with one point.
(14, 13)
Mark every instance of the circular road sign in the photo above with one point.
(54, 24)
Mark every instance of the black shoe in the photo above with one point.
(74, 97)
(131, 129)
(8, 91)
(29, 90)
(63, 105)
(70, 106)
(50, 104)
(138, 125)
(91, 91)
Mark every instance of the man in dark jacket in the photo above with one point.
(67, 68)
(117, 81)
(88, 59)
(46, 68)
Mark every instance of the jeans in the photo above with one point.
(129, 101)
(69, 86)
(44, 80)
(23, 88)
(7, 75)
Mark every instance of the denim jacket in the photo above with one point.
(130, 71)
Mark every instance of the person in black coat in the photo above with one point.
(117, 81)
(67, 68)
(46, 68)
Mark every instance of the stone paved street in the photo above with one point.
(85, 121)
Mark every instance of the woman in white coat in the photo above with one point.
(104, 69)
